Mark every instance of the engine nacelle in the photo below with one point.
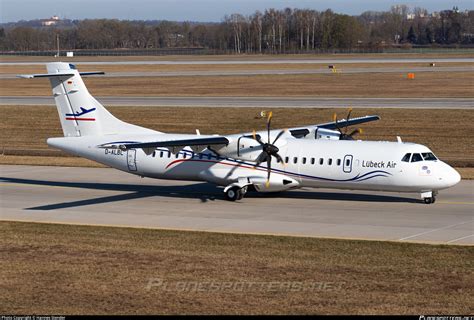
(242, 148)
(327, 134)
(278, 182)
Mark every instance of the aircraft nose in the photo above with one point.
(450, 176)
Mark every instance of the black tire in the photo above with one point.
(233, 194)
(429, 200)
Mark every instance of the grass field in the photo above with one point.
(436, 55)
(61, 269)
(428, 84)
(26, 69)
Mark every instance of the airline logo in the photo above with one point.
(79, 116)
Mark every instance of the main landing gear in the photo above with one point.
(429, 197)
(235, 193)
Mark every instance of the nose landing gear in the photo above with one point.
(429, 197)
(429, 200)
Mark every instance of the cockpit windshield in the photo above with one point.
(428, 156)
(416, 157)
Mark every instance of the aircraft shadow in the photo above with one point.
(203, 191)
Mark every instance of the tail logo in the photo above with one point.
(78, 116)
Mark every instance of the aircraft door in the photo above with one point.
(347, 164)
(131, 159)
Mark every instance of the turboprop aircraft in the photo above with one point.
(318, 156)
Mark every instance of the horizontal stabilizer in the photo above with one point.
(60, 74)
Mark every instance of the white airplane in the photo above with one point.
(317, 156)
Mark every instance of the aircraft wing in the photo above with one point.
(205, 141)
(303, 131)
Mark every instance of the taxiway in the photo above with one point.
(94, 196)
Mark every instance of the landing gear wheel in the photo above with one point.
(429, 200)
(234, 194)
(242, 193)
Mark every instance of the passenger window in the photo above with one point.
(184, 155)
(406, 158)
(416, 157)
(329, 161)
(154, 154)
(200, 156)
(312, 160)
(428, 156)
(304, 160)
(287, 159)
(177, 155)
(209, 156)
(338, 162)
(348, 162)
(161, 154)
(169, 154)
(295, 160)
(321, 161)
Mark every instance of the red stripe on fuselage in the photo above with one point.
(81, 119)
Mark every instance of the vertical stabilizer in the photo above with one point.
(79, 112)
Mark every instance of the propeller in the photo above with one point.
(344, 135)
(269, 150)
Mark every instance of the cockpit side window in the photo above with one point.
(428, 156)
(406, 158)
(416, 157)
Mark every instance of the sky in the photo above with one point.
(194, 10)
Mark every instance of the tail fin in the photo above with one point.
(80, 113)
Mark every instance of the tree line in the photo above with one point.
(271, 31)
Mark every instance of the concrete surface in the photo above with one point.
(110, 197)
(267, 102)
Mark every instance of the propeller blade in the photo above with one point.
(337, 124)
(278, 136)
(269, 121)
(257, 138)
(347, 119)
(280, 159)
(354, 132)
(261, 158)
(269, 169)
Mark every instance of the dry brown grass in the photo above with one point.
(450, 54)
(446, 132)
(26, 69)
(430, 84)
(61, 269)
(466, 173)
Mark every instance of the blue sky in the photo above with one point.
(193, 10)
